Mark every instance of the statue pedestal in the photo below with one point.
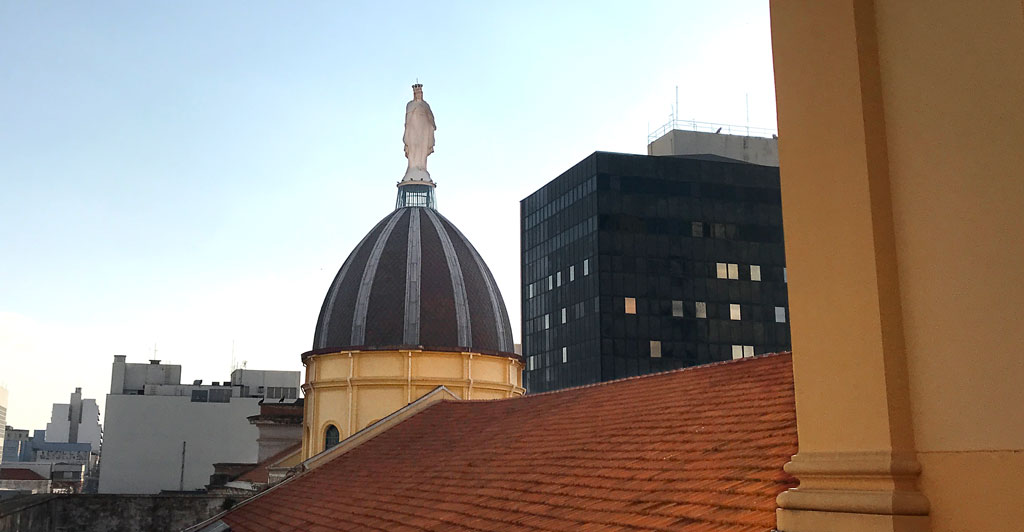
(417, 175)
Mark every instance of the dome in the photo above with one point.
(414, 281)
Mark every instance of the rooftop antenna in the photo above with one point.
(747, 96)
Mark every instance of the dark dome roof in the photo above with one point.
(414, 281)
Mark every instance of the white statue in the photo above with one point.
(419, 136)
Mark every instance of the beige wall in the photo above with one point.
(955, 88)
(757, 150)
(902, 164)
(352, 389)
(954, 96)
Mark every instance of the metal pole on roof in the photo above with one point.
(181, 479)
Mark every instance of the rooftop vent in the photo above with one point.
(197, 382)
(154, 361)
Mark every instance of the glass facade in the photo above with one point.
(635, 264)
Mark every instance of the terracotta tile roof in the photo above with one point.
(17, 473)
(699, 449)
(261, 473)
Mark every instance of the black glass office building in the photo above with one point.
(635, 264)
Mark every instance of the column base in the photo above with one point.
(853, 491)
(816, 521)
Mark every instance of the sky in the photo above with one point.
(182, 180)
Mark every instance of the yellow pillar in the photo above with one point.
(901, 126)
(856, 465)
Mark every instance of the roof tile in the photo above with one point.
(698, 450)
(19, 473)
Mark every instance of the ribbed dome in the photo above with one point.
(414, 281)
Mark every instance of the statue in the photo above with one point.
(419, 136)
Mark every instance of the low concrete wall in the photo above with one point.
(108, 513)
(33, 486)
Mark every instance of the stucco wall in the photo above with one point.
(953, 92)
(143, 437)
(274, 438)
(107, 513)
(351, 390)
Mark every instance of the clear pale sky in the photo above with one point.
(191, 175)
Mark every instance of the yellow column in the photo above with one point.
(856, 465)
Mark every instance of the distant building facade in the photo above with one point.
(16, 445)
(77, 421)
(3, 418)
(67, 468)
(161, 434)
(636, 264)
(63, 452)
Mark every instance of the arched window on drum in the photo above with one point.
(331, 437)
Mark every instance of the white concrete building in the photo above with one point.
(164, 435)
(77, 421)
(752, 145)
(3, 418)
(269, 384)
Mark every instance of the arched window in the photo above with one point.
(332, 437)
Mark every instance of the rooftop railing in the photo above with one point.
(711, 127)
